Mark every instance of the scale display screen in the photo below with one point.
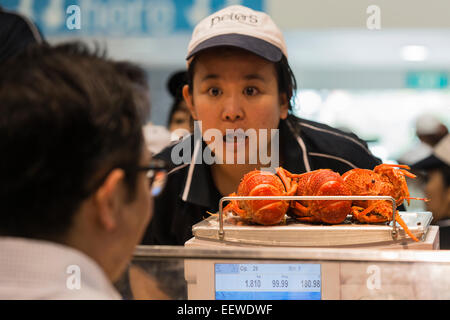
(267, 281)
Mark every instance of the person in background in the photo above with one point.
(179, 115)
(430, 130)
(239, 78)
(437, 188)
(17, 32)
(75, 193)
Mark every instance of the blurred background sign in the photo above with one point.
(122, 17)
(427, 80)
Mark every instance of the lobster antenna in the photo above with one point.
(422, 199)
(408, 174)
(396, 165)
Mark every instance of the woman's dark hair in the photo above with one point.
(175, 86)
(287, 83)
(67, 119)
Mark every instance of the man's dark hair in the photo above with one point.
(17, 32)
(139, 80)
(133, 72)
(67, 119)
(287, 83)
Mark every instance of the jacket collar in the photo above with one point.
(198, 187)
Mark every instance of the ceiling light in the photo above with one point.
(414, 53)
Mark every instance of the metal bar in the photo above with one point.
(221, 232)
(293, 254)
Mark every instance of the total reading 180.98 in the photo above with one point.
(310, 283)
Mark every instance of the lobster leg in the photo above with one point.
(362, 215)
(233, 206)
(302, 213)
(390, 166)
(299, 209)
(404, 226)
(408, 174)
(289, 184)
(404, 171)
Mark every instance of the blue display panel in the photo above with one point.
(267, 281)
(122, 18)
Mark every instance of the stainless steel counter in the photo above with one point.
(175, 272)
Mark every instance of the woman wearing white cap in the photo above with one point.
(437, 188)
(239, 78)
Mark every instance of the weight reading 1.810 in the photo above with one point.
(253, 283)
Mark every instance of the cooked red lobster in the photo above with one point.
(322, 182)
(263, 183)
(383, 180)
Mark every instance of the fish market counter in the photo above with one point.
(213, 270)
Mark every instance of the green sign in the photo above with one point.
(427, 80)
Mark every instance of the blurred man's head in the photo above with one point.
(138, 78)
(17, 32)
(72, 148)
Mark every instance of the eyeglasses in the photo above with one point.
(156, 174)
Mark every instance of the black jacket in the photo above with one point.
(190, 191)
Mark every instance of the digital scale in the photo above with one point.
(267, 281)
(276, 280)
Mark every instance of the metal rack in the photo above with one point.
(221, 232)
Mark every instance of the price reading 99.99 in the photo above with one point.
(280, 283)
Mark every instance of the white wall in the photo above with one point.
(318, 14)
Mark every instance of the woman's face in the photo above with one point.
(235, 89)
(439, 196)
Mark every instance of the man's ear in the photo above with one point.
(189, 101)
(284, 106)
(108, 199)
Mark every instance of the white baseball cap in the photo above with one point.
(427, 124)
(241, 27)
